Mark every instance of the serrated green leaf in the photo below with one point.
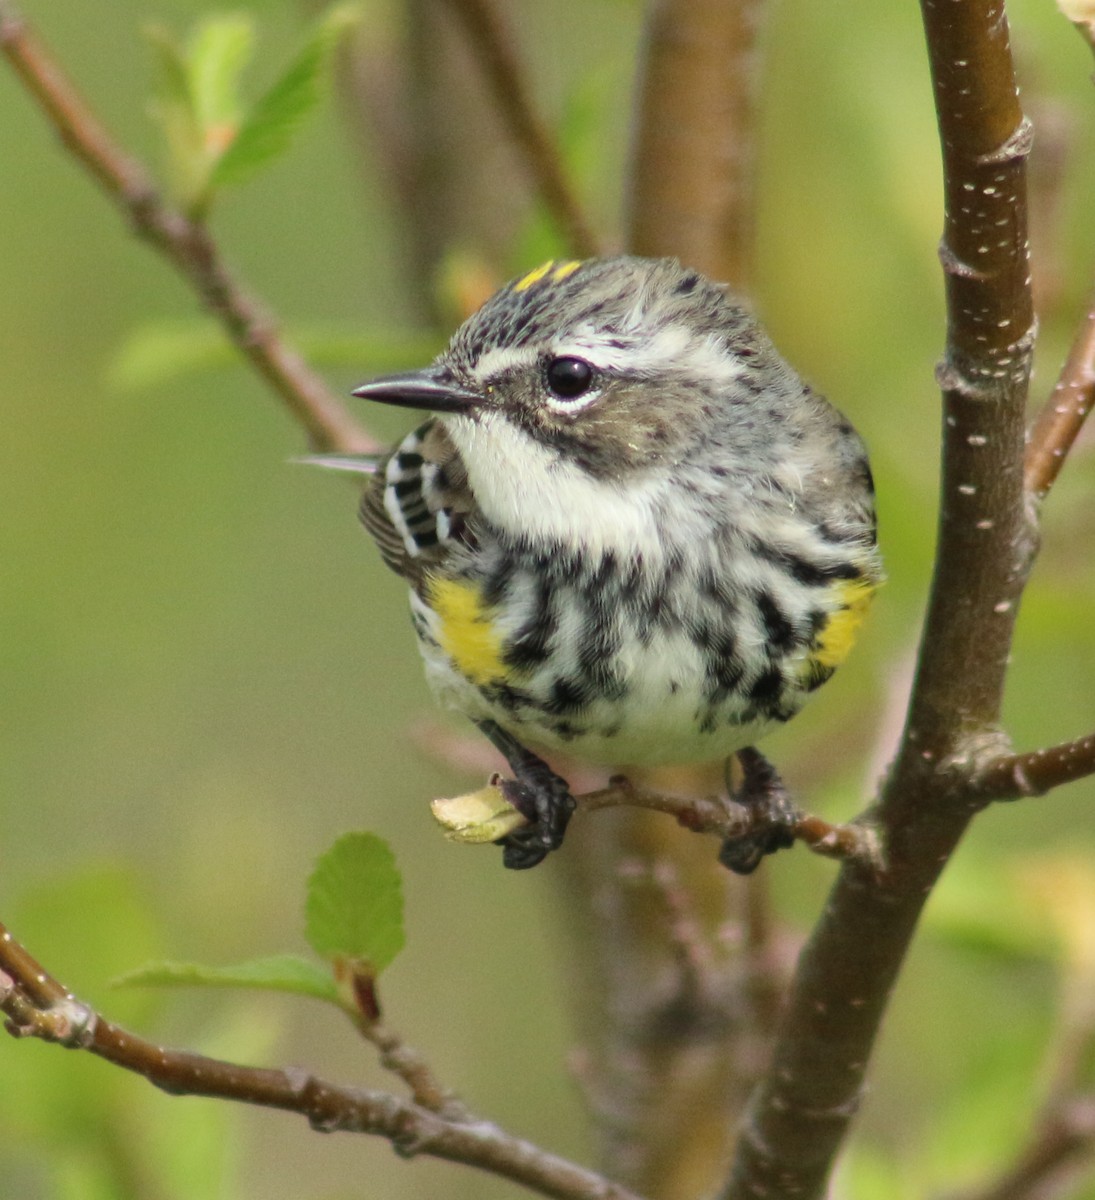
(354, 908)
(267, 129)
(218, 50)
(278, 973)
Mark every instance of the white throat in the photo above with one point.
(528, 490)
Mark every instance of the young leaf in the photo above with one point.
(267, 129)
(174, 107)
(355, 902)
(278, 973)
(197, 100)
(218, 50)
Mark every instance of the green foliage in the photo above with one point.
(213, 139)
(354, 917)
(277, 973)
(355, 903)
(267, 129)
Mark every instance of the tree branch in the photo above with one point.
(693, 159)
(185, 243)
(1059, 423)
(802, 1110)
(1013, 776)
(486, 815)
(492, 44)
(37, 1006)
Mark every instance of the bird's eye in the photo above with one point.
(568, 378)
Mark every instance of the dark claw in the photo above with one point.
(774, 816)
(540, 795)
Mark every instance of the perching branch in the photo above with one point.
(801, 1112)
(187, 244)
(37, 1006)
(492, 44)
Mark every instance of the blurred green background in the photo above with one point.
(206, 675)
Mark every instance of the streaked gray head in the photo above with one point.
(616, 364)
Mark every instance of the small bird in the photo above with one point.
(632, 534)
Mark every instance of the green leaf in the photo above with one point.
(269, 127)
(174, 107)
(278, 973)
(218, 51)
(355, 902)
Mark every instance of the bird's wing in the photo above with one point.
(418, 502)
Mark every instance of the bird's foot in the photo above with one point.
(773, 816)
(547, 805)
(539, 795)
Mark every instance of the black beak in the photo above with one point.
(421, 389)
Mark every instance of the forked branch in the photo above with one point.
(36, 1005)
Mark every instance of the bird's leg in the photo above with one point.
(774, 816)
(538, 794)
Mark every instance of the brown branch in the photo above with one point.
(1013, 776)
(801, 1112)
(37, 1006)
(492, 44)
(186, 243)
(474, 818)
(1059, 423)
(693, 160)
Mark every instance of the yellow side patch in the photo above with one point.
(837, 637)
(466, 631)
(564, 269)
(523, 284)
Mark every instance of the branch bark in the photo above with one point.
(802, 1110)
(1013, 776)
(187, 244)
(36, 1005)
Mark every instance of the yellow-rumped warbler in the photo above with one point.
(632, 533)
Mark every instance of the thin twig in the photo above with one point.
(1059, 423)
(730, 820)
(1014, 776)
(187, 244)
(409, 1065)
(492, 43)
(37, 1006)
